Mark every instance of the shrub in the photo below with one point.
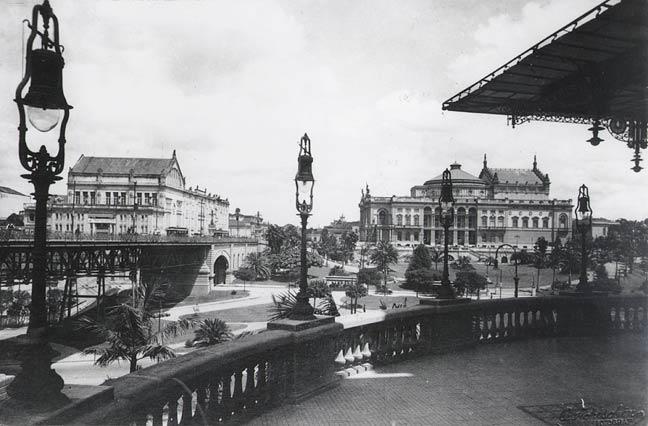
(211, 331)
(369, 276)
(233, 292)
(338, 270)
(606, 284)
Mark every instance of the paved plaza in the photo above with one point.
(495, 384)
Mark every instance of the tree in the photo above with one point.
(275, 237)
(383, 255)
(128, 330)
(258, 262)
(436, 256)
(369, 276)
(469, 282)
(355, 291)
(463, 264)
(348, 241)
(327, 244)
(245, 274)
(419, 275)
(539, 262)
(556, 257)
(318, 289)
(211, 331)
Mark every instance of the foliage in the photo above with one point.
(383, 255)
(346, 247)
(245, 274)
(128, 330)
(420, 280)
(354, 292)
(463, 264)
(523, 257)
(211, 331)
(383, 305)
(540, 256)
(289, 261)
(284, 306)
(258, 262)
(600, 273)
(436, 256)
(606, 284)
(469, 282)
(318, 289)
(282, 238)
(327, 244)
(54, 300)
(369, 276)
(338, 271)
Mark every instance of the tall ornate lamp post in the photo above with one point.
(516, 279)
(304, 182)
(43, 106)
(446, 205)
(237, 214)
(583, 226)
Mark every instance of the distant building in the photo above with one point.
(498, 206)
(336, 228)
(111, 195)
(11, 201)
(249, 226)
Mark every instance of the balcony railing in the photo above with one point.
(242, 378)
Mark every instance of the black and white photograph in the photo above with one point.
(323, 212)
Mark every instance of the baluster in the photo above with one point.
(237, 397)
(173, 412)
(617, 318)
(483, 326)
(187, 408)
(201, 399)
(357, 355)
(366, 353)
(157, 414)
(250, 387)
(493, 327)
(226, 396)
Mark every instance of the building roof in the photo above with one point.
(516, 176)
(457, 176)
(7, 190)
(123, 165)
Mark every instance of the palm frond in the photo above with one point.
(157, 352)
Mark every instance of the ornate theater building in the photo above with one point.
(499, 206)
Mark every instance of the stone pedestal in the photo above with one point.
(450, 328)
(312, 370)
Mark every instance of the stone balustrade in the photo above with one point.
(239, 379)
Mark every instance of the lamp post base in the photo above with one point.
(37, 384)
(445, 291)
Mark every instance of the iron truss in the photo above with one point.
(634, 133)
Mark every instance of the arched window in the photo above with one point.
(514, 221)
(437, 217)
(461, 217)
(399, 219)
(491, 222)
(472, 218)
(382, 218)
(408, 220)
(525, 222)
(427, 217)
(545, 222)
(562, 221)
(416, 220)
(535, 221)
(484, 221)
(500, 221)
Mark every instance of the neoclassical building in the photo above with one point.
(498, 206)
(110, 195)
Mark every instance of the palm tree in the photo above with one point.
(383, 255)
(128, 331)
(211, 331)
(129, 336)
(258, 262)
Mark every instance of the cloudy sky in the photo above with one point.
(233, 85)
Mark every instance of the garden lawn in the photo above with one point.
(213, 296)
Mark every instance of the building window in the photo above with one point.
(545, 222)
(416, 236)
(461, 217)
(562, 221)
(382, 218)
(85, 197)
(472, 218)
(427, 217)
(399, 235)
(107, 198)
(399, 219)
(408, 220)
(147, 198)
(122, 198)
(154, 197)
(77, 197)
(416, 220)
(514, 221)
(484, 221)
(535, 221)
(139, 199)
(500, 221)
(525, 222)
(491, 222)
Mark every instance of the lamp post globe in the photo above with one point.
(304, 183)
(446, 208)
(583, 213)
(45, 107)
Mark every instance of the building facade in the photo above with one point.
(248, 226)
(109, 195)
(498, 206)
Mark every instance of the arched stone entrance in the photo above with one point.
(220, 269)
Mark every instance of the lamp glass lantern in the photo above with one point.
(304, 180)
(583, 210)
(446, 199)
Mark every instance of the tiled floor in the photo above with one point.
(483, 386)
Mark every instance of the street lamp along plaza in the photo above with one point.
(304, 183)
(446, 207)
(43, 104)
(583, 214)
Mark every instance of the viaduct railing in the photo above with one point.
(242, 378)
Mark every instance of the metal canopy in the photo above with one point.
(593, 70)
